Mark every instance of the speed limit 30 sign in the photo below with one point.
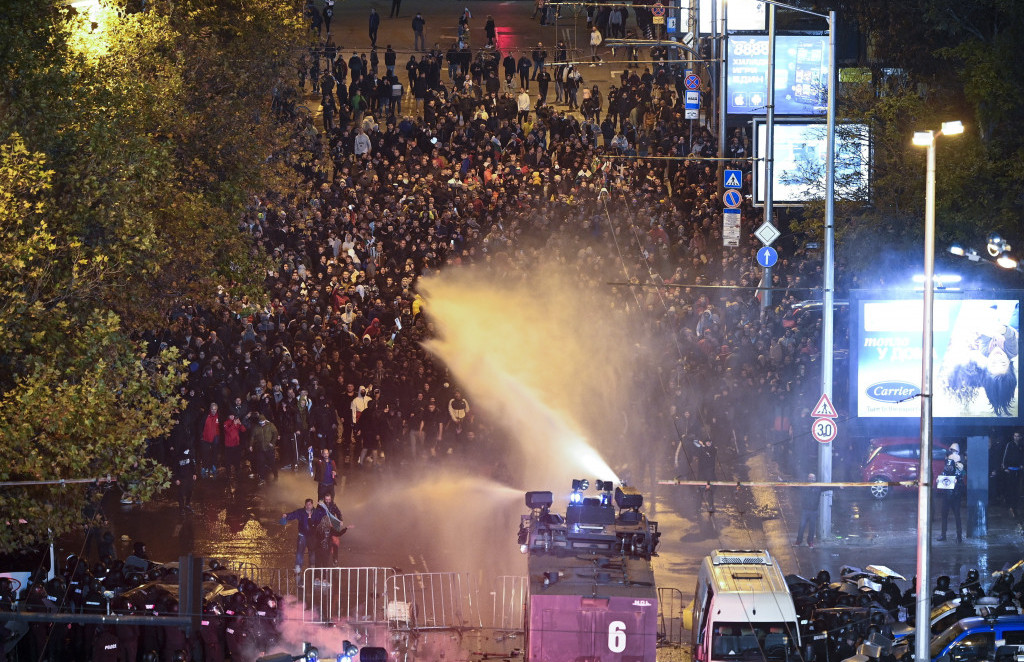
(824, 430)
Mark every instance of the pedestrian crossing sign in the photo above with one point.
(733, 178)
(824, 408)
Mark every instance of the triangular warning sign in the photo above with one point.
(732, 180)
(824, 408)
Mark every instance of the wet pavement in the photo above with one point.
(445, 518)
(450, 519)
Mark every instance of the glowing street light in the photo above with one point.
(1006, 262)
(924, 497)
(996, 245)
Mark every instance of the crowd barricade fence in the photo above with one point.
(509, 602)
(419, 601)
(670, 616)
(432, 601)
(355, 595)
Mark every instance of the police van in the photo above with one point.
(742, 609)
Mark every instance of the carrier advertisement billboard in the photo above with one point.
(975, 367)
(801, 74)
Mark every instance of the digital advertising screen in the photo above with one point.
(801, 148)
(744, 15)
(801, 74)
(975, 366)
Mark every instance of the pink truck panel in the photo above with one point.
(572, 628)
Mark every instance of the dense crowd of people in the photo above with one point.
(469, 176)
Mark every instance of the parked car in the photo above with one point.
(897, 459)
(1000, 639)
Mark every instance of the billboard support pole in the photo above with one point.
(723, 91)
(769, 157)
(719, 81)
(828, 309)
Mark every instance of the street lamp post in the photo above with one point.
(924, 497)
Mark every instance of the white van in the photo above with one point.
(742, 610)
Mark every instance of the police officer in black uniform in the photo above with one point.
(127, 634)
(106, 645)
(211, 632)
(235, 633)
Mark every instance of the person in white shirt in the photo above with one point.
(360, 403)
(595, 41)
(362, 143)
(523, 102)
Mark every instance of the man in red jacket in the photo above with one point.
(233, 430)
(210, 441)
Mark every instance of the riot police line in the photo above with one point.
(866, 612)
(138, 611)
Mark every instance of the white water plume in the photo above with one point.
(550, 362)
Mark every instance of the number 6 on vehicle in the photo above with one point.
(616, 636)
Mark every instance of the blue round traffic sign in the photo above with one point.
(732, 198)
(767, 256)
(692, 82)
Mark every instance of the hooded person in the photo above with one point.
(374, 329)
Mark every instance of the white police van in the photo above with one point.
(742, 609)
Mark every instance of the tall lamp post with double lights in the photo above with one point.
(997, 247)
(924, 498)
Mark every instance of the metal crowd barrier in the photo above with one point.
(432, 601)
(349, 594)
(670, 616)
(422, 601)
(281, 580)
(509, 602)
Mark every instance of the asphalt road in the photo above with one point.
(445, 518)
(437, 520)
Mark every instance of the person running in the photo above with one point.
(330, 529)
(308, 517)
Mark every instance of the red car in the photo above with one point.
(897, 459)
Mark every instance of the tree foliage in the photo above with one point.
(78, 398)
(931, 62)
(157, 126)
(129, 143)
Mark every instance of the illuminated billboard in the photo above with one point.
(976, 361)
(800, 156)
(801, 74)
(744, 15)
